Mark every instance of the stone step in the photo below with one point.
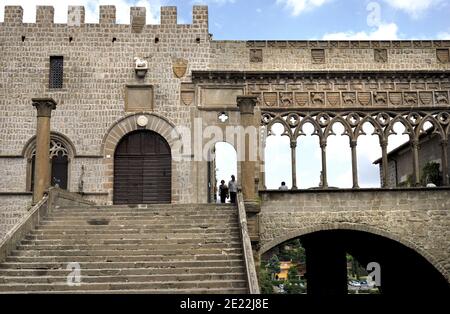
(206, 284)
(150, 207)
(132, 240)
(89, 221)
(183, 248)
(146, 212)
(128, 230)
(129, 247)
(155, 227)
(176, 217)
(142, 291)
(117, 236)
(124, 271)
(122, 278)
(105, 251)
(122, 258)
(125, 264)
(38, 245)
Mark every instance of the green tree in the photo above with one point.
(293, 284)
(431, 174)
(292, 251)
(265, 282)
(273, 265)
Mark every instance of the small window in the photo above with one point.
(56, 71)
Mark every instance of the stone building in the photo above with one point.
(189, 76)
(400, 159)
(127, 95)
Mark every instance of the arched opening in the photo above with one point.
(339, 164)
(309, 156)
(277, 156)
(385, 266)
(222, 165)
(368, 151)
(61, 153)
(142, 169)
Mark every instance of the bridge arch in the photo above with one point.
(355, 227)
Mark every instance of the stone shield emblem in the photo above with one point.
(180, 67)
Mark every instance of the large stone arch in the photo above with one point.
(127, 124)
(356, 227)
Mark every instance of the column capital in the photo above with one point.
(293, 143)
(246, 104)
(383, 143)
(44, 106)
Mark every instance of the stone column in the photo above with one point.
(44, 107)
(444, 162)
(415, 150)
(384, 163)
(262, 162)
(353, 145)
(246, 106)
(294, 164)
(323, 147)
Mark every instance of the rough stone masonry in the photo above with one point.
(189, 76)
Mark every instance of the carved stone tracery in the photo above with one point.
(382, 120)
(353, 121)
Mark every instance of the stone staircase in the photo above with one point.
(120, 249)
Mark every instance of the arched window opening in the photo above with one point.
(309, 156)
(339, 163)
(368, 151)
(60, 155)
(277, 158)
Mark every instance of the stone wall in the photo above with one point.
(12, 208)
(337, 55)
(98, 64)
(418, 218)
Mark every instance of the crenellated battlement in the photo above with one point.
(107, 16)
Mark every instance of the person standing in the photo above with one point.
(223, 191)
(283, 186)
(232, 186)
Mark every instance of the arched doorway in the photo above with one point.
(222, 164)
(142, 169)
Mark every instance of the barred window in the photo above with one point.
(56, 72)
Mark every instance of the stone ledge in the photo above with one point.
(331, 190)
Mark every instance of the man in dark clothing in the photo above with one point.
(223, 191)
(232, 185)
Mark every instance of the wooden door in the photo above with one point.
(142, 169)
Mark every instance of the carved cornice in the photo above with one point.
(357, 44)
(336, 89)
(247, 76)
